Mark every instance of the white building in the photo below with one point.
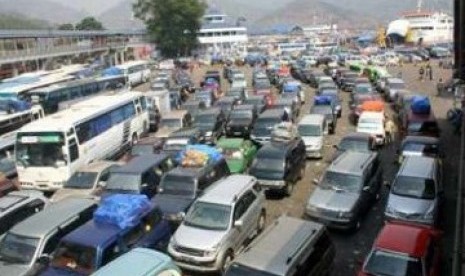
(320, 29)
(223, 35)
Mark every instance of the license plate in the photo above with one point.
(186, 259)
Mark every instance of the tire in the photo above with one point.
(227, 260)
(357, 225)
(261, 224)
(134, 139)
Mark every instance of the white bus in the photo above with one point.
(10, 121)
(136, 72)
(49, 151)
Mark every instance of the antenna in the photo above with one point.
(419, 4)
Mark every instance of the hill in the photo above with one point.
(120, 17)
(46, 10)
(18, 22)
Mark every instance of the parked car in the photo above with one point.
(241, 120)
(144, 262)
(182, 185)
(373, 124)
(205, 96)
(419, 125)
(211, 123)
(87, 181)
(145, 145)
(402, 249)
(98, 242)
(141, 175)
(417, 193)
(239, 81)
(347, 190)
(226, 104)
(218, 225)
(259, 101)
(279, 165)
(392, 87)
(312, 128)
(307, 242)
(25, 248)
(355, 141)
(18, 206)
(420, 146)
(261, 132)
(172, 121)
(289, 104)
(335, 99)
(347, 82)
(330, 114)
(178, 140)
(239, 93)
(239, 153)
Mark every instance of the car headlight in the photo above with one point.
(209, 133)
(211, 252)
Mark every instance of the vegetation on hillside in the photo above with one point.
(12, 21)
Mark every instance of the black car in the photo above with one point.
(279, 165)
(348, 81)
(226, 104)
(140, 176)
(179, 139)
(211, 123)
(289, 104)
(330, 114)
(259, 101)
(356, 141)
(261, 132)
(239, 93)
(182, 185)
(241, 121)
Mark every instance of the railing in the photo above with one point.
(11, 56)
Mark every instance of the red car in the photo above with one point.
(404, 250)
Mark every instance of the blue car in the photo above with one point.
(133, 221)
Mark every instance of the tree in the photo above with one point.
(89, 24)
(66, 27)
(172, 24)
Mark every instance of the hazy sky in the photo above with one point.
(94, 7)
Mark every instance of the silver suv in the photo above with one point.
(218, 225)
(417, 193)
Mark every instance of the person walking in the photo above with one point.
(439, 87)
(390, 129)
(430, 71)
(421, 72)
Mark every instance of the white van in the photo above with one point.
(373, 123)
(136, 72)
(312, 128)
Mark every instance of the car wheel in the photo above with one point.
(227, 260)
(261, 222)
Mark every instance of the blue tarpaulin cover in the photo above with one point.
(323, 100)
(420, 105)
(112, 71)
(213, 153)
(122, 210)
(11, 105)
(290, 88)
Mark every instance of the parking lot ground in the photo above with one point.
(353, 247)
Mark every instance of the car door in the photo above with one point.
(249, 217)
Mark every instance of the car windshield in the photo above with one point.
(370, 121)
(74, 257)
(397, 85)
(354, 145)
(6, 162)
(177, 185)
(209, 216)
(268, 164)
(341, 182)
(363, 89)
(416, 187)
(175, 144)
(431, 150)
(40, 149)
(171, 123)
(391, 264)
(18, 249)
(262, 85)
(205, 120)
(254, 101)
(321, 109)
(81, 180)
(141, 149)
(241, 114)
(309, 130)
(266, 123)
(123, 181)
(240, 270)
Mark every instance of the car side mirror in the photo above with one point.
(101, 184)
(387, 184)
(366, 188)
(43, 260)
(315, 181)
(238, 224)
(144, 185)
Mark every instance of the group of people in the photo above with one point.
(426, 72)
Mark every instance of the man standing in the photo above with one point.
(389, 129)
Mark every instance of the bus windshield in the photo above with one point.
(40, 149)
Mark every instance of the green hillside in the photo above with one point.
(9, 21)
